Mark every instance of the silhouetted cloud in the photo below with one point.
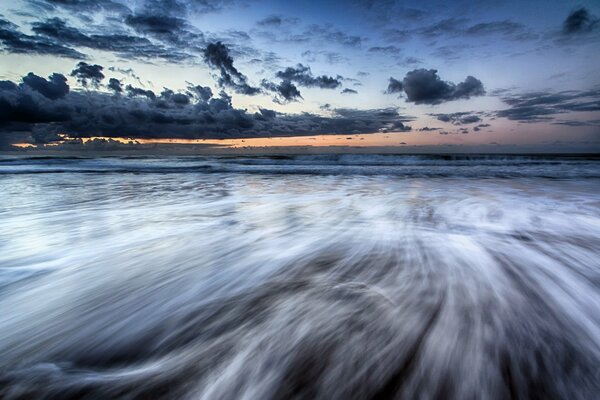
(88, 73)
(54, 88)
(579, 21)
(458, 118)
(46, 110)
(115, 85)
(542, 106)
(478, 127)
(286, 91)
(121, 43)
(423, 86)
(14, 41)
(276, 21)
(135, 91)
(217, 56)
(394, 86)
(349, 91)
(203, 93)
(303, 76)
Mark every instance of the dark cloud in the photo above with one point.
(478, 127)
(286, 91)
(203, 93)
(303, 76)
(579, 21)
(460, 28)
(171, 30)
(276, 21)
(394, 86)
(82, 6)
(318, 34)
(505, 27)
(458, 118)
(161, 26)
(13, 40)
(428, 129)
(88, 73)
(542, 106)
(272, 20)
(120, 43)
(386, 49)
(217, 56)
(349, 91)
(54, 88)
(135, 91)
(115, 85)
(423, 86)
(192, 114)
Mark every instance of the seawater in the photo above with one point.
(319, 276)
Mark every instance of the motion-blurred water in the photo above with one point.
(333, 277)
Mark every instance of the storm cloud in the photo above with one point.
(44, 110)
(285, 91)
(217, 56)
(88, 74)
(579, 21)
(53, 88)
(424, 86)
(458, 118)
(303, 76)
(544, 106)
(14, 41)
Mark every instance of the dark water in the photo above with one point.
(332, 277)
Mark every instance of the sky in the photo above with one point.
(114, 74)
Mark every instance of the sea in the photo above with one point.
(333, 276)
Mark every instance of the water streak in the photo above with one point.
(221, 278)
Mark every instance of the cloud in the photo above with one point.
(143, 114)
(320, 35)
(542, 106)
(135, 91)
(120, 43)
(504, 28)
(115, 85)
(459, 27)
(349, 91)
(54, 88)
(579, 21)
(458, 118)
(203, 93)
(303, 76)
(14, 41)
(286, 91)
(394, 86)
(82, 6)
(276, 21)
(87, 73)
(217, 56)
(423, 86)
(385, 49)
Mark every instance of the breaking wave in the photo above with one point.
(274, 286)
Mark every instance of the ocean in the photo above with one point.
(304, 276)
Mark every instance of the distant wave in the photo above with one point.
(476, 166)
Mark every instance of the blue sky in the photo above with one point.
(465, 73)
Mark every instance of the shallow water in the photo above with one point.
(331, 277)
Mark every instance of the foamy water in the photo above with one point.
(332, 277)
